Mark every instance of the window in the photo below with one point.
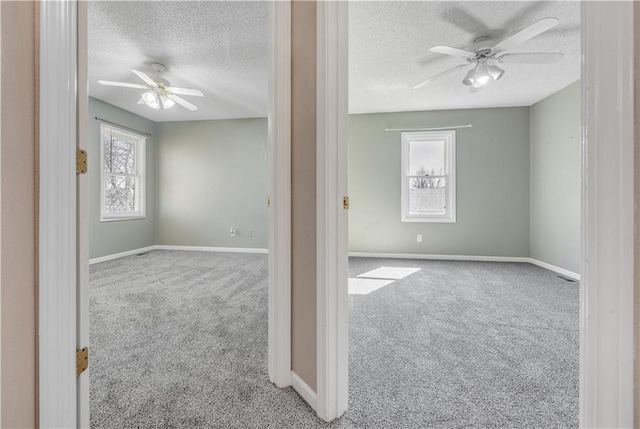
(429, 176)
(122, 177)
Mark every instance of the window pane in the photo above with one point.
(120, 194)
(426, 158)
(427, 195)
(119, 155)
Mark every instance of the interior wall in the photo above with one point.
(212, 177)
(18, 213)
(303, 191)
(107, 238)
(555, 124)
(492, 161)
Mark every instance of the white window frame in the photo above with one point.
(449, 138)
(141, 154)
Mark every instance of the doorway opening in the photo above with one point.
(465, 222)
(176, 209)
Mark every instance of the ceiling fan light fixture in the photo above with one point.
(150, 98)
(482, 74)
(470, 78)
(495, 72)
(482, 79)
(166, 101)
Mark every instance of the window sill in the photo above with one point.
(429, 219)
(114, 219)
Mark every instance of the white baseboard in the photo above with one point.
(212, 249)
(121, 254)
(166, 247)
(556, 269)
(441, 257)
(304, 390)
(545, 265)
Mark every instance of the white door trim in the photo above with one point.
(279, 124)
(332, 169)
(57, 215)
(83, 214)
(607, 301)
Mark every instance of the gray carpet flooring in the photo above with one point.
(179, 339)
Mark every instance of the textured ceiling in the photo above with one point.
(221, 48)
(389, 53)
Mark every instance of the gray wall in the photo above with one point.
(212, 176)
(107, 238)
(555, 178)
(492, 184)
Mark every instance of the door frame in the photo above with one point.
(607, 270)
(63, 231)
(606, 328)
(279, 124)
(332, 169)
(57, 247)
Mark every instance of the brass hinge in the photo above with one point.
(82, 360)
(81, 161)
(345, 203)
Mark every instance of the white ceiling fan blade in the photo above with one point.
(123, 84)
(530, 58)
(528, 33)
(432, 78)
(454, 52)
(145, 78)
(184, 103)
(185, 91)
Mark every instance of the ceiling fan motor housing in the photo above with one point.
(482, 54)
(162, 83)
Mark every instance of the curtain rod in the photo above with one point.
(453, 127)
(122, 126)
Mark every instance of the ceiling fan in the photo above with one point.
(159, 92)
(484, 58)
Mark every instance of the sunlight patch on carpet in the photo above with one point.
(395, 273)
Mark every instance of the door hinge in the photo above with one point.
(268, 202)
(81, 161)
(345, 203)
(82, 360)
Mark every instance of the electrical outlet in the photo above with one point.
(232, 231)
(419, 238)
(249, 233)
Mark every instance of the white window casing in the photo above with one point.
(138, 175)
(443, 176)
